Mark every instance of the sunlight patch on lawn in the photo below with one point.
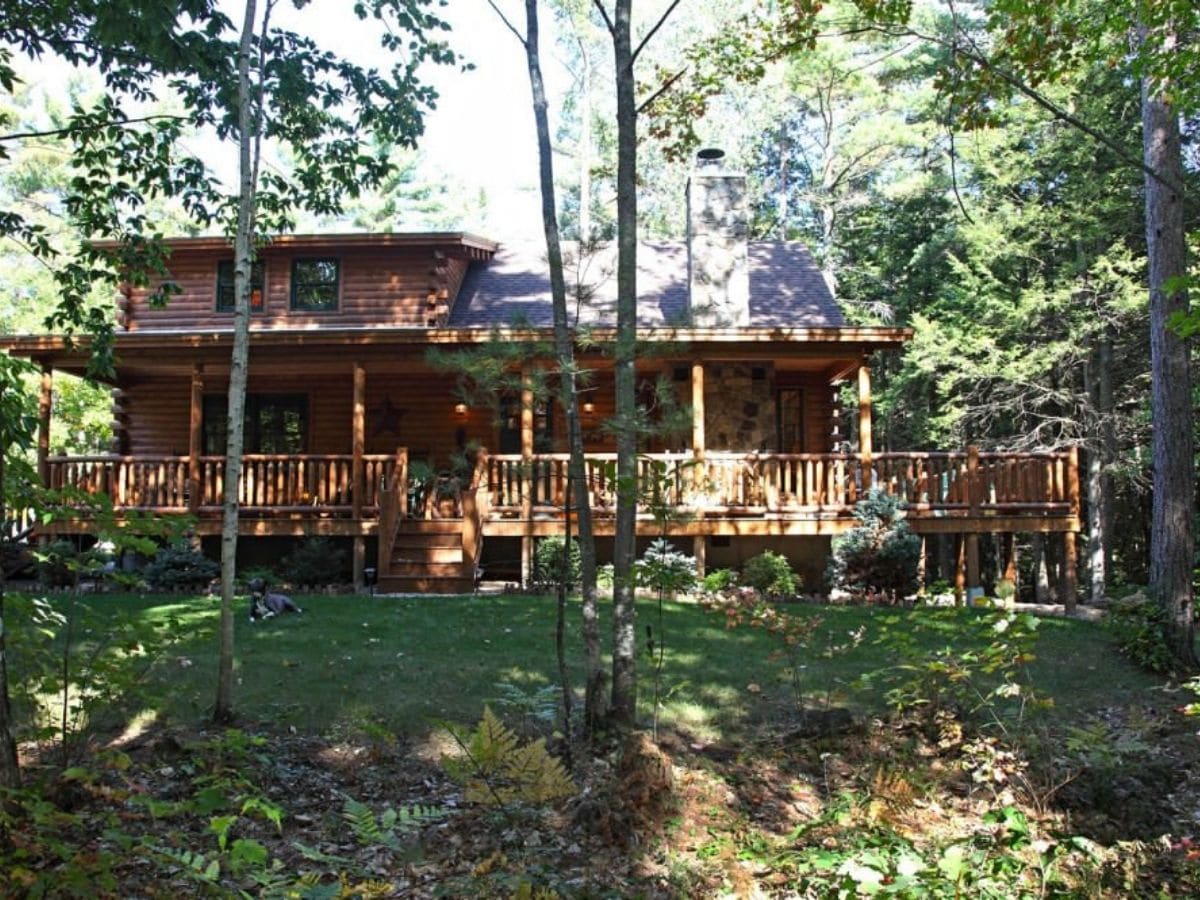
(137, 725)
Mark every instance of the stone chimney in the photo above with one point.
(718, 267)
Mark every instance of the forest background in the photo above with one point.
(1011, 242)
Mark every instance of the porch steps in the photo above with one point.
(428, 558)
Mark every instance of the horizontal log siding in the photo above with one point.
(157, 412)
(377, 288)
(428, 425)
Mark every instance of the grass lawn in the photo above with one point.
(353, 662)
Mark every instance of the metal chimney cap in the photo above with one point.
(710, 156)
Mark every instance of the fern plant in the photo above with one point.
(381, 830)
(496, 769)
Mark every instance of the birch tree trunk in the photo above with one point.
(564, 349)
(248, 128)
(1171, 539)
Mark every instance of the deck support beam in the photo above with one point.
(700, 552)
(45, 406)
(195, 437)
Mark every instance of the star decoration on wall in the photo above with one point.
(386, 418)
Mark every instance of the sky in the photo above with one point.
(481, 134)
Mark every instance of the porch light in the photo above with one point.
(460, 409)
(589, 407)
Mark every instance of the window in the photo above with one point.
(225, 296)
(275, 423)
(315, 284)
(791, 420)
(510, 425)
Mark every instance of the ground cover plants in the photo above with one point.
(383, 742)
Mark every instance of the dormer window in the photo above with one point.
(315, 284)
(225, 294)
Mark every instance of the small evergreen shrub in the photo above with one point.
(548, 563)
(771, 575)
(879, 554)
(1136, 624)
(314, 561)
(663, 568)
(178, 566)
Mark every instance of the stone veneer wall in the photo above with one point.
(739, 409)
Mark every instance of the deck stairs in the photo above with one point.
(428, 557)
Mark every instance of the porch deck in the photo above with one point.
(709, 493)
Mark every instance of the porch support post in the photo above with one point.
(1010, 562)
(698, 435)
(974, 588)
(1068, 578)
(960, 569)
(357, 475)
(45, 405)
(700, 551)
(922, 562)
(527, 474)
(865, 448)
(195, 435)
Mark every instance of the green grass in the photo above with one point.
(408, 663)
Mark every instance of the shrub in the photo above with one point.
(179, 566)
(315, 561)
(1136, 624)
(547, 562)
(663, 568)
(878, 554)
(58, 563)
(719, 580)
(771, 575)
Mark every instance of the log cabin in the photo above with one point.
(353, 431)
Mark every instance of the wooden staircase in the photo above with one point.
(428, 557)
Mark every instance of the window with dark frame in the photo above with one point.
(225, 286)
(315, 284)
(274, 423)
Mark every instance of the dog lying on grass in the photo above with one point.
(266, 605)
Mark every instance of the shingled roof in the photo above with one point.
(786, 287)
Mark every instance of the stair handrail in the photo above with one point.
(393, 506)
(474, 509)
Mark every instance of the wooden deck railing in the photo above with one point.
(268, 482)
(930, 484)
(738, 483)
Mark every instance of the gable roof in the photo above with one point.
(786, 287)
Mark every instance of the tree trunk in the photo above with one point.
(564, 349)
(10, 768)
(239, 362)
(1108, 441)
(624, 646)
(1171, 538)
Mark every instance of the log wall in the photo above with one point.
(402, 287)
